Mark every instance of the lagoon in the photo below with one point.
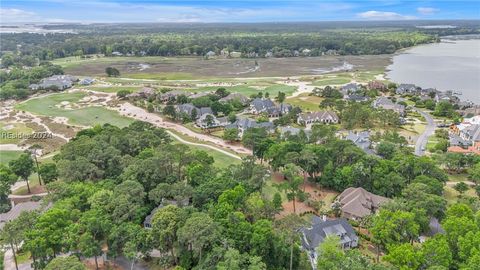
(448, 65)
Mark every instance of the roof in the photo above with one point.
(165, 202)
(246, 123)
(235, 96)
(261, 104)
(357, 202)
(174, 93)
(320, 115)
(350, 87)
(320, 229)
(387, 104)
(360, 139)
(18, 209)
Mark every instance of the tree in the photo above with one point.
(289, 225)
(150, 108)
(199, 234)
(170, 111)
(404, 256)
(165, 225)
(330, 255)
(12, 237)
(94, 228)
(62, 263)
(277, 201)
(436, 252)
(7, 179)
(23, 167)
(461, 187)
(474, 173)
(280, 97)
(123, 93)
(33, 151)
(292, 183)
(230, 134)
(112, 72)
(49, 172)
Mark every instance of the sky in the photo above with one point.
(110, 11)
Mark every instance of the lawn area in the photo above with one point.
(451, 195)
(331, 81)
(6, 156)
(247, 90)
(13, 129)
(87, 116)
(221, 160)
(306, 102)
(113, 89)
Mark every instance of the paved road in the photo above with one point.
(421, 144)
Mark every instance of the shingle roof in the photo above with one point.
(320, 229)
(18, 209)
(357, 202)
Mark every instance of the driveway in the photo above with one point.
(421, 144)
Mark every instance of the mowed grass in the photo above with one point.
(113, 89)
(331, 81)
(6, 156)
(247, 90)
(7, 130)
(87, 116)
(306, 102)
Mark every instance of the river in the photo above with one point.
(448, 65)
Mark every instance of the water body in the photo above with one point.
(448, 65)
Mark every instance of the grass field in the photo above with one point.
(113, 89)
(6, 156)
(306, 102)
(88, 116)
(12, 128)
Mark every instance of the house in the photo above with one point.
(244, 124)
(387, 104)
(235, 96)
(146, 92)
(87, 81)
(361, 139)
(467, 140)
(172, 95)
(188, 109)
(429, 92)
(355, 98)
(321, 228)
(262, 105)
(147, 223)
(349, 88)
(326, 117)
(376, 85)
(210, 54)
(285, 131)
(17, 209)
(202, 121)
(117, 53)
(406, 88)
(60, 82)
(357, 203)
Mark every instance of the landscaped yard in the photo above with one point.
(87, 116)
(306, 102)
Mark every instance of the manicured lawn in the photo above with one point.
(306, 102)
(88, 116)
(113, 89)
(331, 81)
(6, 156)
(14, 129)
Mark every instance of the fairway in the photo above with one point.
(6, 156)
(87, 116)
(13, 128)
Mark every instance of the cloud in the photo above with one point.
(383, 16)
(426, 10)
(16, 15)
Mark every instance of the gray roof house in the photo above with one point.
(188, 108)
(147, 223)
(355, 98)
(244, 124)
(349, 88)
(361, 139)
(60, 82)
(173, 95)
(387, 104)
(260, 105)
(406, 88)
(235, 96)
(216, 122)
(326, 117)
(321, 228)
(86, 81)
(19, 208)
(357, 203)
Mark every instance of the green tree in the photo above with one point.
(436, 252)
(62, 263)
(165, 225)
(199, 234)
(230, 134)
(461, 187)
(49, 172)
(292, 184)
(112, 72)
(330, 255)
(23, 167)
(280, 97)
(123, 93)
(404, 257)
(7, 179)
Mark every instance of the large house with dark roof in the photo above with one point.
(406, 88)
(235, 96)
(320, 229)
(172, 95)
(266, 105)
(244, 124)
(388, 104)
(357, 203)
(60, 82)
